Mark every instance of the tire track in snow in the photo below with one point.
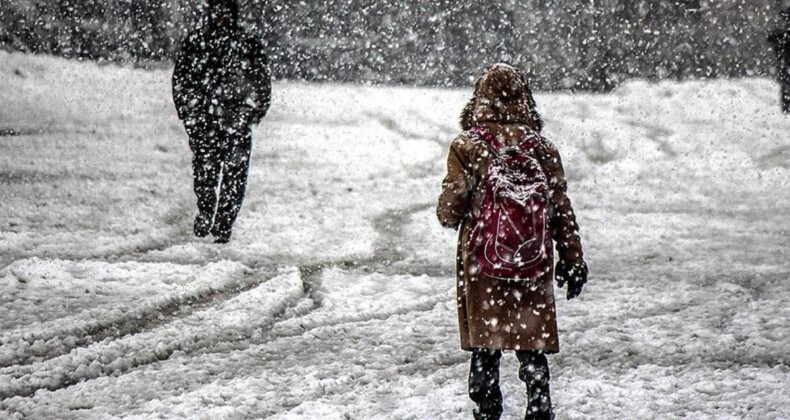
(92, 327)
(300, 337)
(234, 319)
(394, 126)
(389, 228)
(778, 157)
(231, 362)
(388, 258)
(285, 330)
(168, 236)
(62, 336)
(297, 324)
(657, 134)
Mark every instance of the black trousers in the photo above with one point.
(484, 384)
(220, 163)
(784, 81)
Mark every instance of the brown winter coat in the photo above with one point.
(493, 313)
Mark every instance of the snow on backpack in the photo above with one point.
(510, 239)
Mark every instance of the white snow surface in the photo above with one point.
(335, 298)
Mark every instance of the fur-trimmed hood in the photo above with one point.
(502, 95)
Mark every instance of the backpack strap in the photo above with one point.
(489, 139)
(529, 141)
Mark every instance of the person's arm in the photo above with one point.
(571, 267)
(186, 84)
(779, 40)
(260, 77)
(774, 37)
(453, 203)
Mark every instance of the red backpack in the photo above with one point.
(510, 238)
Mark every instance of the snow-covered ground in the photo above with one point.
(335, 299)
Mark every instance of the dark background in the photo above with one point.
(580, 45)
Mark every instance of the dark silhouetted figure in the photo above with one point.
(222, 89)
(780, 40)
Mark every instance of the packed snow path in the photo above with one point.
(335, 298)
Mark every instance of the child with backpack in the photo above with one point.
(505, 191)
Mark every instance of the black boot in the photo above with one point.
(202, 226)
(484, 384)
(221, 236)
(534, 371)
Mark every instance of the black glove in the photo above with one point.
(573, 274)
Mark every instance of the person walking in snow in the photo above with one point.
(221, 89)
(505, 191)
(780, 40)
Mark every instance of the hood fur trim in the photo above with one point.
(502, 95)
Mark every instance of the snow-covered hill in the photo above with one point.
(335, 299)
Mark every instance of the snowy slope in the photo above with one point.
(335, 299)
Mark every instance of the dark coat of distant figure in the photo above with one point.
(221, 89)
(780, 40)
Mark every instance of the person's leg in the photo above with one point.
(784, 81)
(534, 371)
(236, 163)
(205, 171)
(484, 384)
